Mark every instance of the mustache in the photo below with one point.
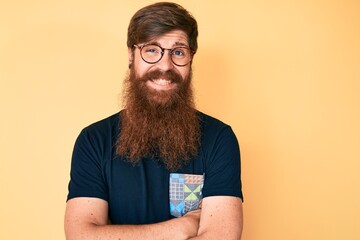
(157, 74)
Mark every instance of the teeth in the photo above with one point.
(162, 82)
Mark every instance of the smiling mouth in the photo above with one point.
(161, 82)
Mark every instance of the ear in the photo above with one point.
(130, 56)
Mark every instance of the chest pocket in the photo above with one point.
(185, 193)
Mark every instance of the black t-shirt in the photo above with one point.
(140, 194)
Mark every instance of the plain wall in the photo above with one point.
(284, 74)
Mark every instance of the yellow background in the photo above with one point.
(284, 74)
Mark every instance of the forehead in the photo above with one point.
(170, 39)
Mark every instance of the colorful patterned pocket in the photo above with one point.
(185, 193)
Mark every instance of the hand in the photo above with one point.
(191, 222)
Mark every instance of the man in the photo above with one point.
(159, 169)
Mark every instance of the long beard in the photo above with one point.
(163, 125)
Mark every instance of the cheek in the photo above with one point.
(140, 67)
(184, 71)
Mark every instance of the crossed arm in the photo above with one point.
(219, 218)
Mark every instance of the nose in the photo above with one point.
(165, 62)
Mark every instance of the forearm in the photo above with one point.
(164, 230)
(216, 234)
(174, 229)
(213, 236)
(221, 218)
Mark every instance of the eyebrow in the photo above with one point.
(181, 44)
(177, 44)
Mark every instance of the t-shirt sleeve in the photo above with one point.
(223, 168)
(86, 175)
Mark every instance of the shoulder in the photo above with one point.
(212, 127)
(210, 120)
(217, 137)
(103, 132)
(104, 125)
(221, 153)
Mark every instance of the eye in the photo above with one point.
(151, 49)
(179, 52)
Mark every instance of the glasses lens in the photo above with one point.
(181, 55)
(151, 53)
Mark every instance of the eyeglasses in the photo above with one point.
(152, 53)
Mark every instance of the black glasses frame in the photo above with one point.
(171, 51)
